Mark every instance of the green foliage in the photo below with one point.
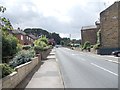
(19, 47)
(22, 57)
(9, 46)
(2, 9)
(39, 32)
(6, 25)
(56, 37)
(66, 41)
(41, 43)
(38, 49)
(86, 45)
(98, 36)
(9, 42)
(96, 46)
(26, 47)
(6, 70)
(44, 39)
(62, 43)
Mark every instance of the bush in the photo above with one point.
(38, 49)
(6, 70)
(44, 39)
(41, 44)
(26, 47)
(19, 47)
(9, 46)
(22, 57)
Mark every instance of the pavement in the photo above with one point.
(46, 75)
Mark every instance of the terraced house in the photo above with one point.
(110, 29)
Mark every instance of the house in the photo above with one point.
(23, 38)
(89, 33)
(110, 29)
(51, 42)
(30, 39)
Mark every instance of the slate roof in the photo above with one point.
(32, 36)
(18, 32)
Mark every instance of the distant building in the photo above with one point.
(89, 33)
(110, 29)
(51, 42)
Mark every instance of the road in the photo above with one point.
(85, 70)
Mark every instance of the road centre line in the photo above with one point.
(104, 69)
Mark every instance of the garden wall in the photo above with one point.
(12, 80)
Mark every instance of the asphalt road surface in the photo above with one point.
(85, 70)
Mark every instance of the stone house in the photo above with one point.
(89, 33)
(110, 29)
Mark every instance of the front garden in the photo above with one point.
(14, 54)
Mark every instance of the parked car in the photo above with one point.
(116, 53)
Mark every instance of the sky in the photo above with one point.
(65, 17)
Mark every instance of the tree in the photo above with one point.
(38, 32)
(66, 41)
(56, 37)
(9, 42)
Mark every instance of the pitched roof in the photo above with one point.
(89, 27)
(18, 32)
(32, 36)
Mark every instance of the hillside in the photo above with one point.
(38, 32)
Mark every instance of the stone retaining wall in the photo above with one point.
(12, 80)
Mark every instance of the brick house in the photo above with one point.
(89, 33)
(110, 29)
(30, 39)
(23, 38)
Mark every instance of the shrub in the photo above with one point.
(44, 39)
(19, 47)
(9, 46)
(26, 47)
(22, 57)
(6, 70)
(41, 44)
(39, 49)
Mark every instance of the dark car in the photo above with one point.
(116, 53)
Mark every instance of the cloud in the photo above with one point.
(62, 16)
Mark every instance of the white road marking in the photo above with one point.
(104, 69)
(104, 59)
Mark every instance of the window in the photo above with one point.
(21, 37)
(27, 37)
